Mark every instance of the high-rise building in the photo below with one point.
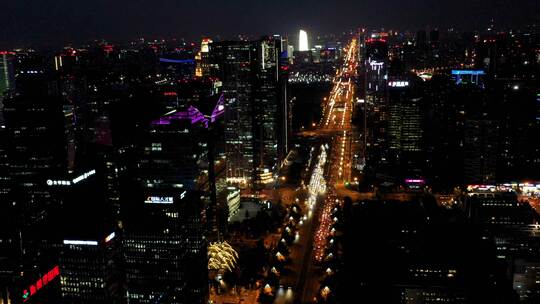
(6, 71)
(7, 77)
(175, 209)
(376, 66)
(480, 144)
(270, 106)
(433, 260)
(405, 127)
(303, 44)
(232, 65)
(376, 107)
(254, 77)
(513, 227)
(34, 122)
(83, 229)
(203, 67)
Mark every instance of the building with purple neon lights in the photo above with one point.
(175, 186)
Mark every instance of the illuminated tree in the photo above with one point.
(221, 256)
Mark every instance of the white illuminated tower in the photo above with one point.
(303, 41)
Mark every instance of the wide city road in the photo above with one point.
(335, 128)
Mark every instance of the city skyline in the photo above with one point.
(244, 166)
(56, 23)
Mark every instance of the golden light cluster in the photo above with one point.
(221, 256)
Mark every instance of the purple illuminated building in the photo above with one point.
(194, 115)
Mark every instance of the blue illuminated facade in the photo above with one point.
(467, 76)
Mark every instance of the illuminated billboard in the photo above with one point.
(467, 76)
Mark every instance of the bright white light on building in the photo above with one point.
(76, 242)
(205, 45)
(110, 237)
(398, 84)
(84, 176)
(303, 41)
(159, 200)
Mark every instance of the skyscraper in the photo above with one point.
(7, 77)
(270, 106)
(174, 209)
(164, 227)
(35, 130)
(84, 230)
(376, 69)
(232, 66)
(480, 144)
(254, 76)
(303, 44)
(404, 127)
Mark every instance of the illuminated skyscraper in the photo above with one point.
(35, 129)
(270, 106)
(376, 66)
(203, 68)
(404, 127)
(174, 202)
(254, 86)
(6, 77)
(232, 62)
(303, 45)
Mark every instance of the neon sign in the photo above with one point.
(414, 181)
(398, 84)
(51, 182)
(84, 176)
(40, 283)
(159, 200)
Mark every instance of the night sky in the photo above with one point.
(50, 22)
